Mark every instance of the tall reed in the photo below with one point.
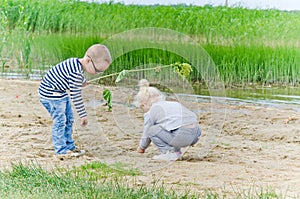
(247, 46)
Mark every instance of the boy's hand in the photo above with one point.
(85, 83)
(140, 150)
(83, 121)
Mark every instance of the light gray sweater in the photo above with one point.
(167, 114)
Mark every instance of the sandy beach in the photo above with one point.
(258, 147)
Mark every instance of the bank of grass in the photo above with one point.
(247, 46)
(214, 25)
(98, 180)
(94, 180)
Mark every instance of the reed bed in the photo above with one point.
(247, 46)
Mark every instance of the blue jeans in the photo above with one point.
(62, 128)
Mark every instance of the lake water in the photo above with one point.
(264, 96)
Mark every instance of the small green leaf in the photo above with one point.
(121, 76)
(107, 96)
(183, 69)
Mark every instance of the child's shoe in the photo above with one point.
(168, 156)
(70, 154)
(77, 152)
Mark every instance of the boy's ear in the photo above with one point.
(88, 60)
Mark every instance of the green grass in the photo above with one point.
(247, 46)
(257, 64)
(216, 25)
(96, 171)
(99, 180)
(95, 180)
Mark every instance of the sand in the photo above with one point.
(257, 147)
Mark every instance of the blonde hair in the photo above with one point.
(148, 95)
(100, 54)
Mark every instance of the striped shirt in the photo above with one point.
(67, 75)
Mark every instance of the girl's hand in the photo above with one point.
(140, 150)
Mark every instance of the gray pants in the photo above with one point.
(175, 139)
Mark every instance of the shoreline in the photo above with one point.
(257, 146)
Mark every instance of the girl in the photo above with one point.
(168, 124)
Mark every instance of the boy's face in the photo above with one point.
(92, 67)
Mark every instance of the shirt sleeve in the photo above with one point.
(75, 82)
(145, 140)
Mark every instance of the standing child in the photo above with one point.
(69, 76)
(169, 125)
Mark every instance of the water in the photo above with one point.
(35, 75)
(287, 97)
(21, 76)
(281, 97)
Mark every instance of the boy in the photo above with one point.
(69, 75)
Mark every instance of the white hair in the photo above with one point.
(147, 94)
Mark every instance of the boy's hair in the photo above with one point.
(148, 95)
(100, 54)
